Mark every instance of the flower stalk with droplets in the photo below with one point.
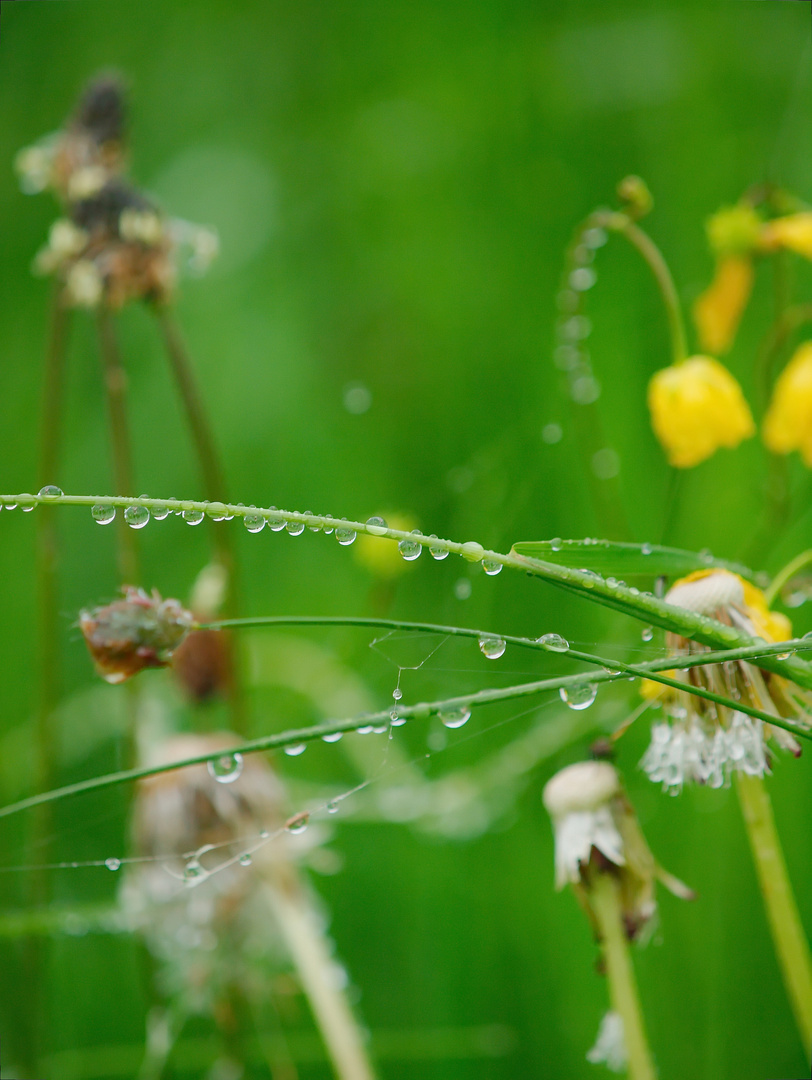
(600, 850)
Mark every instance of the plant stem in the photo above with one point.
(786, 574)
(791, 945)
(604, 899)
(115, 385)
(622, 224)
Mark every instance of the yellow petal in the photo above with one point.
(788, 423)
(718, 311)
(793, 232)
(696, 407)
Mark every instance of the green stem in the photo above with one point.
(605, 902)
(115, 385)
(786, 574)
(621, 223)
(587, 584)
(791, 945)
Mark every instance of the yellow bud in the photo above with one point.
(734, 230)
(696, 408)
(718, 311)
(788, 423)
(634, 192)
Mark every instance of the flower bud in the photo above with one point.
(634, 192)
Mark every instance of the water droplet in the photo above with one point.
(51, 491)
(554, 642)
(454, 717)
(556, 543)
(579, 696)
(160, 512)
(193, 517)
(299, 823)
(245, 859)
(783, 656)
(332, 807)
(254, 522)
(295, 528)
(26, 502)
(193, 871)
(594, 237)
(646, 549)
(706, 555)
(647, 633)
(136, 516)
(611, 670)
(264, 834)
(583, 278)
(380, 729)
(367, 729)
(10, 505)
(276, 524)
(398, 721)
(472, 551)
(313, 526)
(217, 511)
(397, 693)
(295, 749)
(437, 553)
(376, 526)
(225, 769)
(491, 567)
(332, 737)
(345, 537)
(393, 714)
(492, 647)
(113, 864)
(410, 549)
(103, 513)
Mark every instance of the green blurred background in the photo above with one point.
(394, 186)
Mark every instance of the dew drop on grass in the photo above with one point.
(554, 642)
(295, 749)
(51, 491)
(136, 516)
(332, 807)
(245, 859)
(103, 513)
(646, 549)
(295, 528)
(647, 633)
(410, 549)
(397, 693)
(492, 647)
(193, 517)
(26, 502)
(376, 526)
(578, 697)
(160, 512)
(226, 769)
(216, 511)
(193, 871)
(112, 864)
(345, 537)
(298, 824)
(437, 553)
(491, 567)
(254, 523)
(455, 717)
(333, 737)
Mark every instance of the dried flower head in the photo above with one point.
(597, 832)
(138, 632)
(696, 408)
(704, 742)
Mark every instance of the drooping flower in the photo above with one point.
(792, 232)
(718, 311)
(596, 831)
(788, 423)
(703, 742)
(138, 632)
(696, 408)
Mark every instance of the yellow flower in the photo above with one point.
(696, 407)
(734, 230)
(718, 311)
(788, 423)
(705, 742)
(379, 554)
(793, 232)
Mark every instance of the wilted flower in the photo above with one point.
(788, 423)
(704, 742)
(696, 408)
(137, 632)
(596, 832)
(718, 311)
(203, 661)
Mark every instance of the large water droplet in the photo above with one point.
(397, 693)
(136, 516)
(437, 553)
(556, 543)
(492, 647)
(193, 871)
(193, 517)
(580, 696)
(554, 642)
(254, 522)
(376, 526)
(225, 769)
(51, 491)
(491, 567)
(783, 655)
(295, 749)
(276, 524)
(299, 823)
(334, 736)
(113, 864)
(647, 633)
(646, 549)
(160, 512)
(332, 807)
(26, 502)
(410, 549)
(454, 717)
(295, 528)
(345, 537)
(103, 513)
(245, 859)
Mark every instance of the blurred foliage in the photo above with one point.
(394, 187)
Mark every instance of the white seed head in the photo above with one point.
(66, 239)
(706, 595)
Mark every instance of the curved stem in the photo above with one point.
(786, 574)
(605, 902)
(789, 939)
(622, 224)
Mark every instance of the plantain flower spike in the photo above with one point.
(705, 743)
(788, 423)
(597, 832)
(135, 633)
(697, 407)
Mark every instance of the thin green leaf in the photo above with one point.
(624, 559)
